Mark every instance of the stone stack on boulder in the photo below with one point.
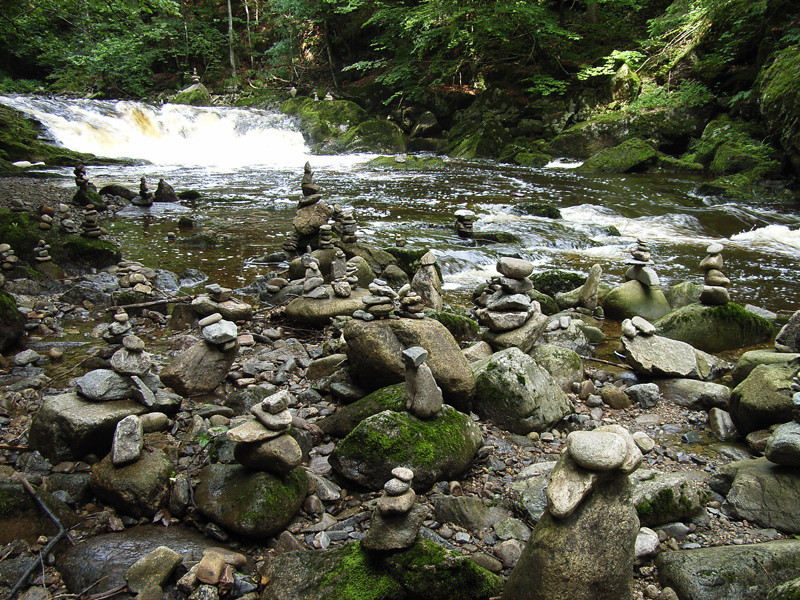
(380, 304)
(145, 197)
(505, 306)
(265, 443)
(216, 330)
(715, 290)
(314, 283)
(464, 220)
(89, 226)
(119, 327)
(8, 260)
(135, 276)
(220, 299)
(291, 243)
(589, 514)
(40, 253)
(411, 304)
(128, 442)
(344, 224)
(640, 265)
(339, 276)
(65, 222)
(423, 396)
(311, 214)
(325, 237)
(397, 518)
(427, 283)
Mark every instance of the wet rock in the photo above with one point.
(468, 512)
(783, 447)
(662, 497)
(655, 356)
(198, 370)
(138, 489)
(695, 395)
(563, 364)
(153, 569)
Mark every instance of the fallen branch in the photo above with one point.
(606, 362)
(13, 447)
(62, 533)
(141, 304)
(108, 593)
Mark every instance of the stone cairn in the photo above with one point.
(145, 197)
(314, 283)
(135, 276)
(81, 181)
(310, 189)
(411, 303)
(505, 304)
(218, 331)
(344, 224)
(46, 217)
(8, 260)
(89, 227)
(423, 396)
(640, 268)
(290, 243)
(64, 219)
(380, 304)
(637, 326)
(119, 327)
(464, 220)
(426, 282)
(339, 272)
(264, 443)
(325, 237)
(308, 220)
(16, 205)
(397, 518)
(40, 253)
(715, 291)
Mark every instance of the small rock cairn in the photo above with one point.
(40, 253)
(411, 303)
(65, 221)
(81, 181)
(314, 283)
(637, 326)
(119, 327)
(344, 224)
(264, 443)
(397, 518)
(17, 205)
(89, 227)
(341, 273)
(216, 330)
(715, 291)
(46, 219)
(380, 304)
(423, 396)
(464, 221)
(639, 265)
(325, 237)
(505, 305)
(426, 282)
(291, 243)
(135, 276)
(8, 260)
(145, 197)
(310, 189)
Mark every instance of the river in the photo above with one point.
(247, 165)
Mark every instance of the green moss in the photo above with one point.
(407, 258)
(271, 499)
(520, 379)
(735, 313)
(532, 159)
(537, 209)
(358, 576)
(462, 328)
(195, 95)
(325, 120)
(555, 281)
(662, 505)
(633, 154)
(375, 135)
(410, 163)
(497, 237)
(677, 165)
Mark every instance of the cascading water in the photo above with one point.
(247, 165)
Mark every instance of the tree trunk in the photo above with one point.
(591, 11)
(249, 41)
(230, 40)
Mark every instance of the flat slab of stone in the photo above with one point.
(310, 311)
(657, 356)
(523, 338)
(68, 427)
(729, 572)
(694, 394)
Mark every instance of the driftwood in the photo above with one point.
(607, 362)
(62, 534)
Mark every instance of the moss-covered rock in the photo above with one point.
(462, 328)
(715, 328)
(786, 591)
(425, 571)
(662, 497)
(537, 209)
(564, 365)
(346, 417)
(670, 164)
(482, 138)
(764, 398)
(374, 135)
(407, 258)
(12, 323)
(497, 237)
(323, 122)
(255, 504)
(410, 162)
(778, 88)
(194, 95)
(437, 449)
(556, 281)
(532, 159)
(632, 298)
(138, 489)
(630, 155)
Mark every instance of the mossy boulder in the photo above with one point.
(255, 504)
(630, 155)
(633, 298)
(537, 209)
(751, 359)
(670, 164)
(311, 311)
(437, 449)
(683, 293)
(661, 497)
(764, 398)
(715, 328)
(374, 135)
(517, 394)
(138, 489)
(324, 122)
(532, 159)
(410, 163)
(346, 417)
(376, 258)
(563, 364)
(12, 323)
(425, 571)
(462, 328)
(408, 258)
(194, 95)
(789, 590)
(481, 138)
(778, 89)
(556, 281)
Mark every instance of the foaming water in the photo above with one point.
(780, 237)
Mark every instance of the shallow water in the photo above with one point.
(247, 165)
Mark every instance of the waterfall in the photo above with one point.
(169, 134)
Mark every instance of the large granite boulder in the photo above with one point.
(424, 570)
(563, 364)
(68, 427)
(729, 572)
(560, 560)
(311, 311)
(515, 393)
(632, 299)
(662, 497)
(694, 394)
(714, 328)
(761, 492)
(764, 398)
(255, 504)
(198, 370)
(138, 489)
(438, 449)
(657, 356)
(374, 350)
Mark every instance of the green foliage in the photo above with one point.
(611, 63)
(542, 84)
(687, 93)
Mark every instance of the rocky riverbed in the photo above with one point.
(180, 490)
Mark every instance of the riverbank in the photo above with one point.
(506, 478)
